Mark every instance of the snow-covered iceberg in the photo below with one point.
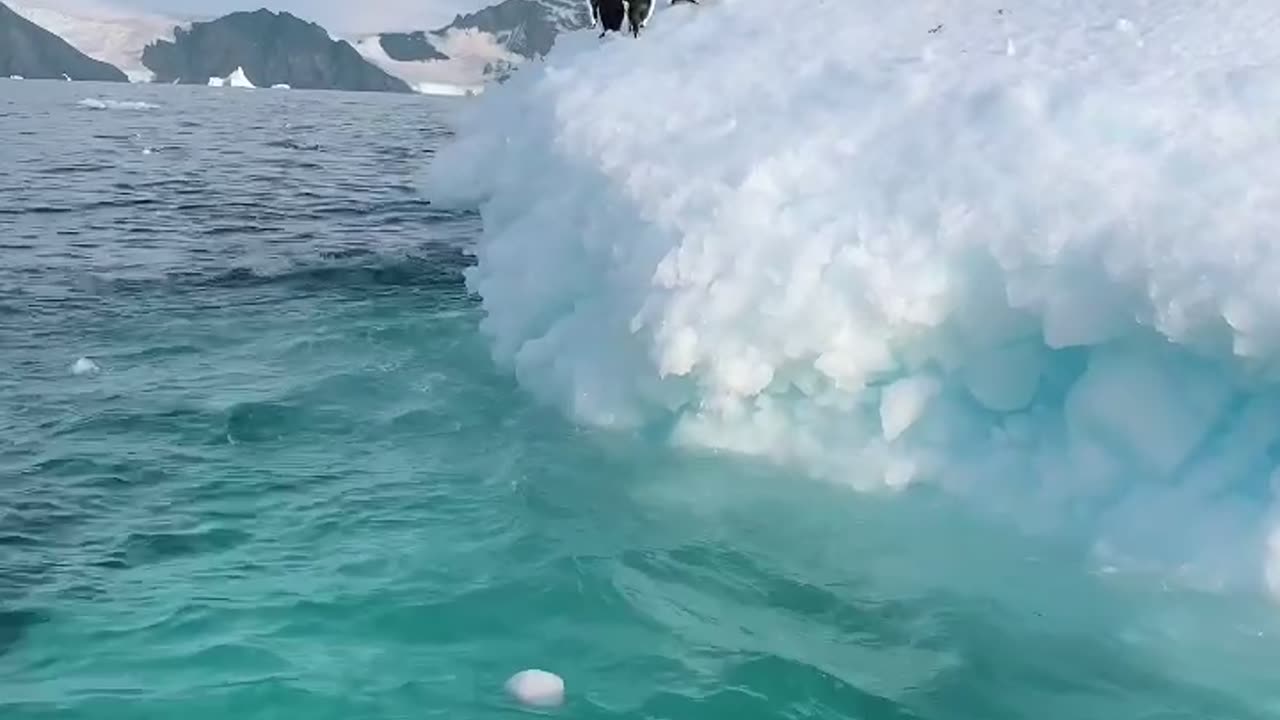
(239, 80)
(236, 79)
(1022, 253)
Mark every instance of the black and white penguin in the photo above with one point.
(638, 14)
(609, 13)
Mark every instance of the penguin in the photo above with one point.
(609, 14)
(638, 14)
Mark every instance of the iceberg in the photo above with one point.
(238, 79)
(1022, 255)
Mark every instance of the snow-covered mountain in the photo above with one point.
(458, 58)
(101, 31)
(475, 48)
(28, 50)
(269, 49)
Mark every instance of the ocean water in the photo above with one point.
(256, 462)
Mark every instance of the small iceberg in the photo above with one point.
(237, 79)
(85, 366)
(447, 89)
(16, 77)
(537, 688)
(281, 86)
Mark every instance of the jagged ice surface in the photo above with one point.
(1023, 253)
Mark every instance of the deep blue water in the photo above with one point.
(288, 482)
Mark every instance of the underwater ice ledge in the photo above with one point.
(1025, 255)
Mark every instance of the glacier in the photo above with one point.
(102, 31)
(1024, 256)
(463, 74)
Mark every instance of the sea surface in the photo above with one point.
(256, 463)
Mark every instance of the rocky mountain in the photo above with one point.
(476, 47)
(270, 49)
(29, 51)
(265, 48)
(527, 28)
(410, 47)
(101, 30)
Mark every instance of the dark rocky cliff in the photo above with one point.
(410, 47)
(273, 48)
(28, 50)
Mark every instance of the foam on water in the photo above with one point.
(1025, 255)
(98, 104)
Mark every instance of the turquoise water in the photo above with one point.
(297, 487)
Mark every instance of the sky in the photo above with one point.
(348, 16)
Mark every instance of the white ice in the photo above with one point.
(537, 688)
(84, 366)
(238, 79)
(1026, 253)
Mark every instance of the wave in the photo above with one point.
(440, 268)
(1022, 256)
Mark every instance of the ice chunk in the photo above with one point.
(238, 79)
(538, 688)
(903, 402)
(1066, 212)
(84, 366)
(1151, 407)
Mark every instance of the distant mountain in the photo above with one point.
(28, 50)
(527, 28)
(270, 49)
(476, 48)
(101, 30)
(265, 48)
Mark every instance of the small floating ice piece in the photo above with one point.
(84, 366)
(538, 688)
